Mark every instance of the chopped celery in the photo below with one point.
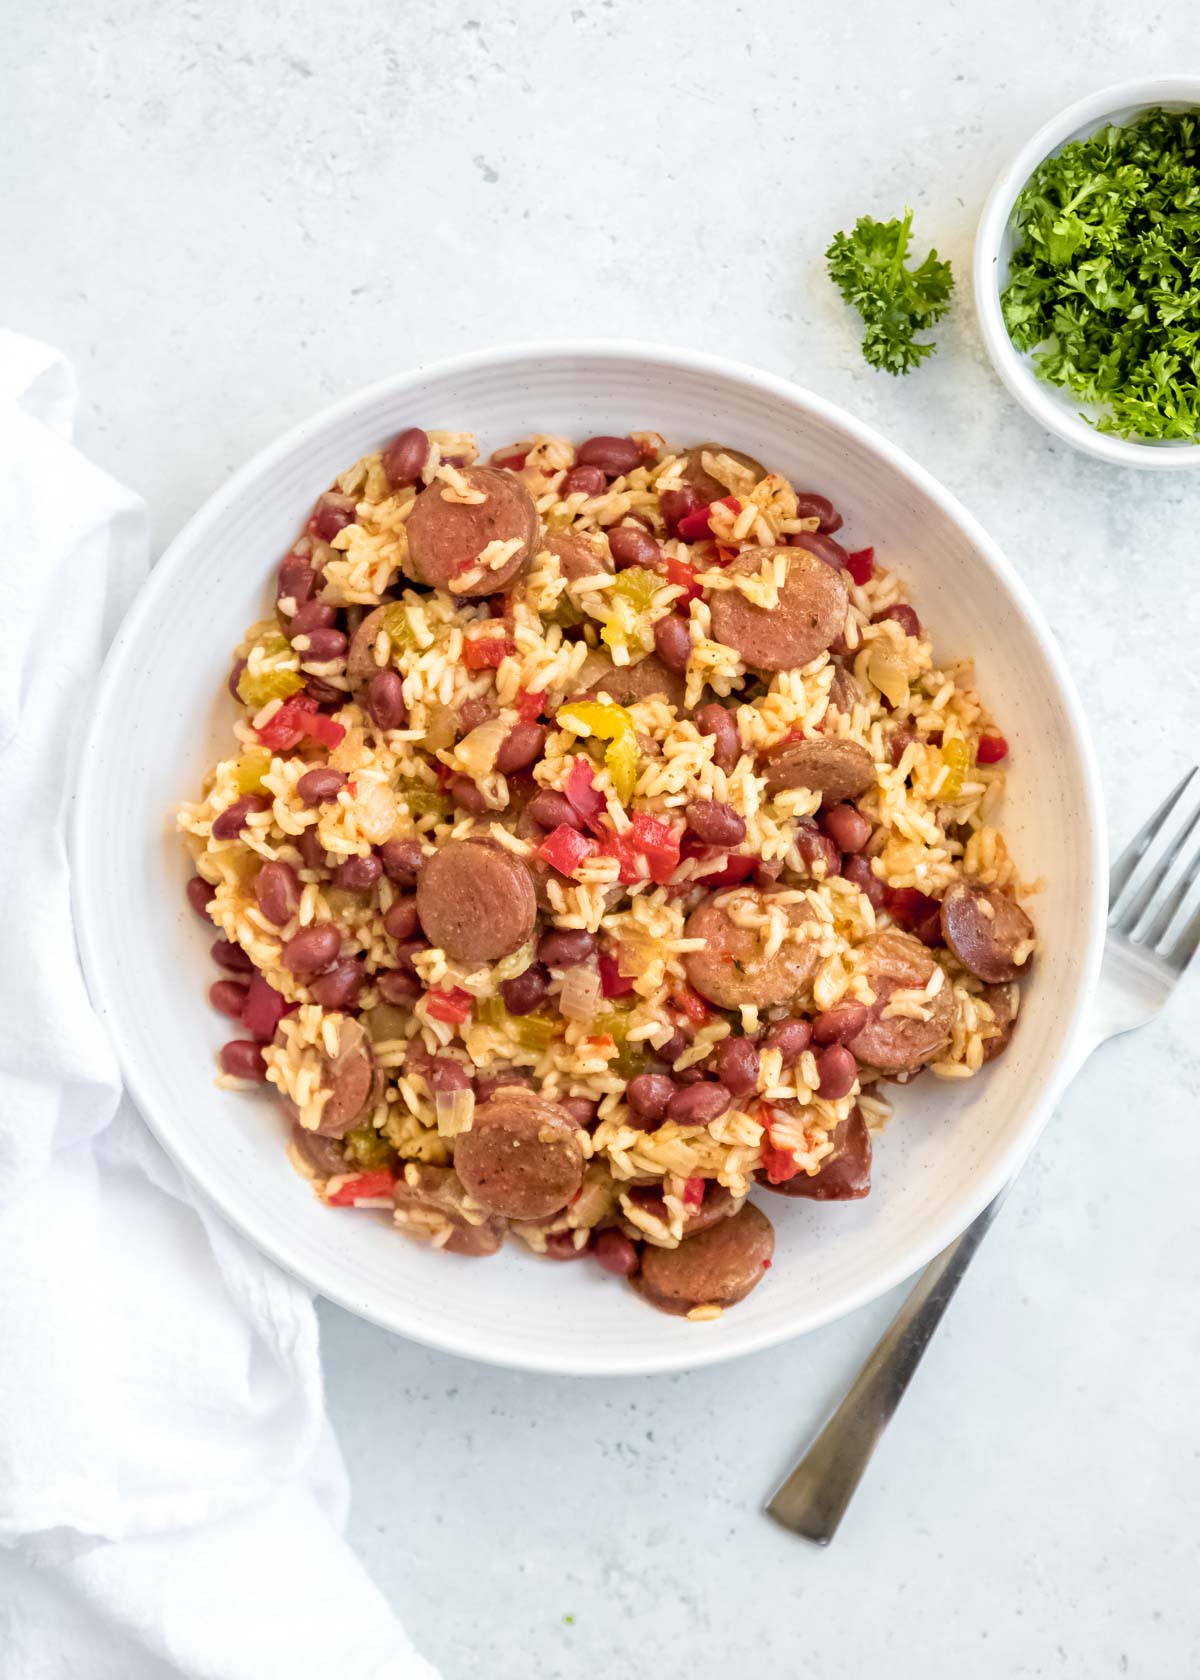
(422, 799)
(251, 768)
(256, 688)
(365, 1148)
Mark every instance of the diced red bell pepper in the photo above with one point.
(861, 565)
(778, 1164)
(737, 868)
(991, 749)
(530, 705)
(454, 1005)
(263, 1009)
(326, 730)
(295, 719)
(514, 463)
(362, 1187)
(695, 526)
(683, 577)
(693, 1006)
(584, 797)
(612, 982)
(565, 849)
(693, 1194)
(485, 652)
(909, 908)
(659, 844)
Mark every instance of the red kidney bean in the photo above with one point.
(553, 810)
(560, 1245)
(320, 786)
(313, 615)
(242, 1058)
(904, 615)
(649, 1096)
(472, 713)
(398, 986)
(525, 991)
(332, 514)
(767, 871)
(312, 852)
(408, 949)
(339, 986)
(311, 950)
(358, 874)
(521, 747)
(824, 548)
(616, 1253)
(239, 665)
(297, 580)
(228, 997)
(737, 1065)
(899, 737)
(613, 455)
(443, 1073)
(629, 545)
(588, 479)
(847, 828)
(401, 920)
(816, 848)
(841, 1023)
(791, 1038)
(811, 506)
(580, 1109)
(405, 457)
(323, 646)
(385, 700)
(698, 1104)
(325, 694)
(676, 505)
(464, 792)
(401, 860)
(858, 870)
(837, 1070)
(277, 889)
(506, 1079)
(672, 1048)
(673, 642)
(200, 895)
(690, 1075)
(712, 719)
(232, 819)
(229, 956)
(566, 947)
(715, 823)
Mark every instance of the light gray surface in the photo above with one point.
(228, 215)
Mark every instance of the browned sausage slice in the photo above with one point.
(627, 684)
(719, 1203)
(845, 691)
(578, 555)
(834, 768)
(1004, 1002)
(445, 539)
(897, 1043)
(811, 614)
(844, 1175)
(429, 1199)
(476, 901)
(323, 1154)
(983, 927)
(350, 1077)
(717, 1267)
(731, 969)
(360, 660)
(522, 1158)
(706, 487)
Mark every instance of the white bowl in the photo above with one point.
(162, 716)
(1058, 410)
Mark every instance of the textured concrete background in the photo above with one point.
(227, 215)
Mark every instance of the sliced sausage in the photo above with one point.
(1004, 1001)
(811, 614)
(579, 556)
(429, 1199)
(716, 1267)
(627, 684)
(845, 691)
(719, 1203)
(844, 1175)
(324, 1155)
(983, 927)
(360, 660)
(350, 1078)
(445, 539)
(522, 1158)
(897, 961)
(731, 969)
(834, 768)
(706, 487)
(476, 901)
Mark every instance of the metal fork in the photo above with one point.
(1153, 934)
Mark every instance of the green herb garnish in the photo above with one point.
(1107, 279)
(869, 268)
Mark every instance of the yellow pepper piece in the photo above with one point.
(639, 586)
(255, 691)
(251, 768)
(614, 725)
(956, 756)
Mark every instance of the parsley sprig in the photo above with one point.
(869, 268)
(1105, 286)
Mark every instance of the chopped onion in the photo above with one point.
(455, 1112)
(441, 726)
(888, 670)
(580, 994)
(477, 751)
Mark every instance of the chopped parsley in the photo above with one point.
(1105, 285)
(869, 268)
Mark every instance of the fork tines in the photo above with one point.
(1153, 879)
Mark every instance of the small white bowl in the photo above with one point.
(1057, 409)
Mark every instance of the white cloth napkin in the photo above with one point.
(171, 1499)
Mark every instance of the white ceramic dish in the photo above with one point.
(162, 716)
(1058, 410)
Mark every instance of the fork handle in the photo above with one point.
(813, 1499)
